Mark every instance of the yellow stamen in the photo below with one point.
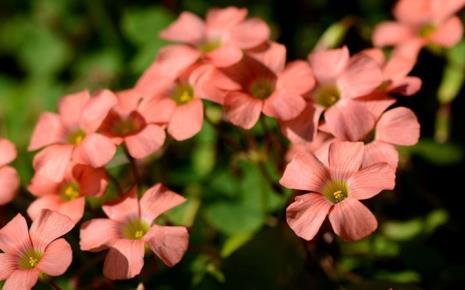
(33, 261)
(139, 234)
(338, 195)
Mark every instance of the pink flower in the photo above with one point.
(27, 253)
(9, 181)
(263, 83)
(71, 135)
(129, 122)
(335, 191)
(221, 38)
(419, 23)
(67, 196)
(130, 227)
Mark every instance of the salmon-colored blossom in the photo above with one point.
(335, 189)
(419, 23)
(71, 135)
(28, 253)
(67, 196)
(220, 39)
(130, 227)
(9, 181)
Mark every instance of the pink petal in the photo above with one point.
(361, 77)
(157, 200)
(297, 76)
(408, 86)
(147, 141)
(22, 280)
(304, 127)
(9, 184)
(187, 120)
(305, 172)
(71, 107)
(379, 152)
(371, 180)
(398, 67)
(123, 209)
(41, 186)
(50, 201)
(351, 220)
(74, 209)
(14, 236)
(413, 12)
(398, 126)
(7, 151)
(250, 33)
(306, 214)
(92, 181)
(157, 110)
(349, 120)
(391, 33)
(48, 227)
(97, 109)
(97, 150)
(377, 104)
(168, 243)
(284, 105)
(56, 259)
(188, 28)
(49, 130)
(242, 110)
(53, 161)
(448, 33)
(327, 65)
(410, 48)
(273, 56)
(8, 263)
(376, 54)
(224, 56)
(345, 159)
(220, 20)
(444, 9)
(124, 260)
(97, 234)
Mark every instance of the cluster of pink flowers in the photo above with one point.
(338, 112)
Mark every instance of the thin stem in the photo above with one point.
(54, 285)
(134, 168)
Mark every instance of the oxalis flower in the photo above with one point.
(9, 180)
(335, 191)
(71, 135)
(130, 228)
(28, 253)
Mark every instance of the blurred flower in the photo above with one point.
(71, 135)
(336, 185)
(419, 23)
(27, 253)
(221, 38)
(130, 227)
(9, 180)
(68, 196)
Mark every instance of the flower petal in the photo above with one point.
(306, 214)
(21, 280)
(124, 260)
(14, 236)
(123, 208)
(188, 28)
(305, 172)
(327, 65)
(224, 56)
(9, 184)
(97, 109)
(379, 152)
(97, 150)
(168, 243)
(147, 141)
(7, 151)
(187, 120)
(48, 227)
(413, 12)
(8, 264)
(220, 20)
(390, 33)
(242, 110)
(71, 107)
(345, 159)
(273, 56)
(50, 201)
(40, 186)
(297, 76)
(371, 180)
(97, 234)
(53, 161)
(448, 33)
(56, 259)
(284, 105)
(48, 130)
(351, 220)
(250, 33)
(398, 126)
(92, 181)
(304, 127)
(157, 200)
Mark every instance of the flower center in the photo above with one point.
(370, 137)
(76, 137)
(70, 191)
(130, 125)
(336, 191)
(183, 94)
(326, 96)
(427, 29)
(30, 259)
(210, 45)
(261, 88)
(135, 229)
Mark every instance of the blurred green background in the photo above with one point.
(239, 239)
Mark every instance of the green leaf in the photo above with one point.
(402, 231)
(440, 154)
(235, 242)
(232, 218)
